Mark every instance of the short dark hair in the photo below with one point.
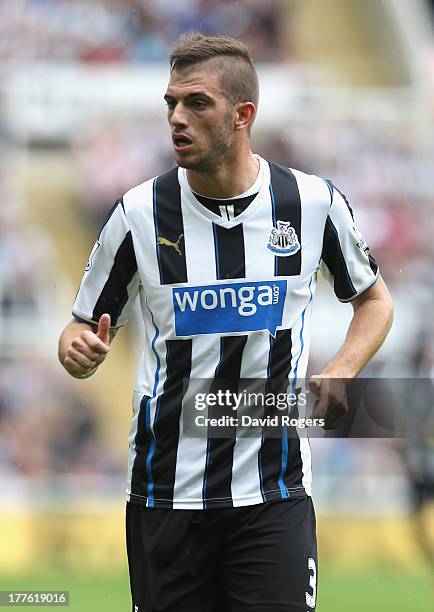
(239, 77)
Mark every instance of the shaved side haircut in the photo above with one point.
(239, 79)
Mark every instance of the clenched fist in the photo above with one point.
(331, 405)
(81, 350)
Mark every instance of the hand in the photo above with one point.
(331, 405)
(88, 350)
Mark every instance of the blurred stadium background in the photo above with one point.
(347, 92)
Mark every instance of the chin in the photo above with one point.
(206, 166)
(183, 163)
(188, 164)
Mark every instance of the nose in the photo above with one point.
(178, 118)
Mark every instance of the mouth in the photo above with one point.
(181, 142)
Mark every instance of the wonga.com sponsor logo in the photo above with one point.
(225, 308)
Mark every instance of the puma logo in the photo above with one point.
(175, 245)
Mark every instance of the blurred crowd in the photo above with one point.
(47, 429)
(50, 429)
(130, 30)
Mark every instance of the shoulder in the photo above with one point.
(143, 194)
(312, 188)
(138, 195)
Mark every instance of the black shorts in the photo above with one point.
(259, 558)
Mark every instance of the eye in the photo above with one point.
(170, 104)
(199, 104)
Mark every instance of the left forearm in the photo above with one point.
(373, 315)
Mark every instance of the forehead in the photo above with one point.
(204, 77)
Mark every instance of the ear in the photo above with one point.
(244, 115)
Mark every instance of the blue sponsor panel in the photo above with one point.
(229, 308)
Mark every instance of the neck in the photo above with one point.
(229, 180)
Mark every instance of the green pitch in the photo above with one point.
(376, 590)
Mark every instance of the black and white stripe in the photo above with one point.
(163, 238)
(286, 206)
(111, 279)
(343, 259)
(166, 426)
(169, 225)
(230, 264)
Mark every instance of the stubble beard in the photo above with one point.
(220, 151)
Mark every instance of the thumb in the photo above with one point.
(315, 384)
(320, 405)
(103, 332)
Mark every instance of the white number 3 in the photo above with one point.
(310, 599)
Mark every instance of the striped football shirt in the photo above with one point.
(224, 297)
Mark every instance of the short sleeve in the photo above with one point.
(345, 260)
(110, 282)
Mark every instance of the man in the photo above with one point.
(223, 252)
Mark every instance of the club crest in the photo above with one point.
(283, 240)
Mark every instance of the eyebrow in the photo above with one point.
(195, 94)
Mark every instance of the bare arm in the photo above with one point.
(371, 322)
(83, 347)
